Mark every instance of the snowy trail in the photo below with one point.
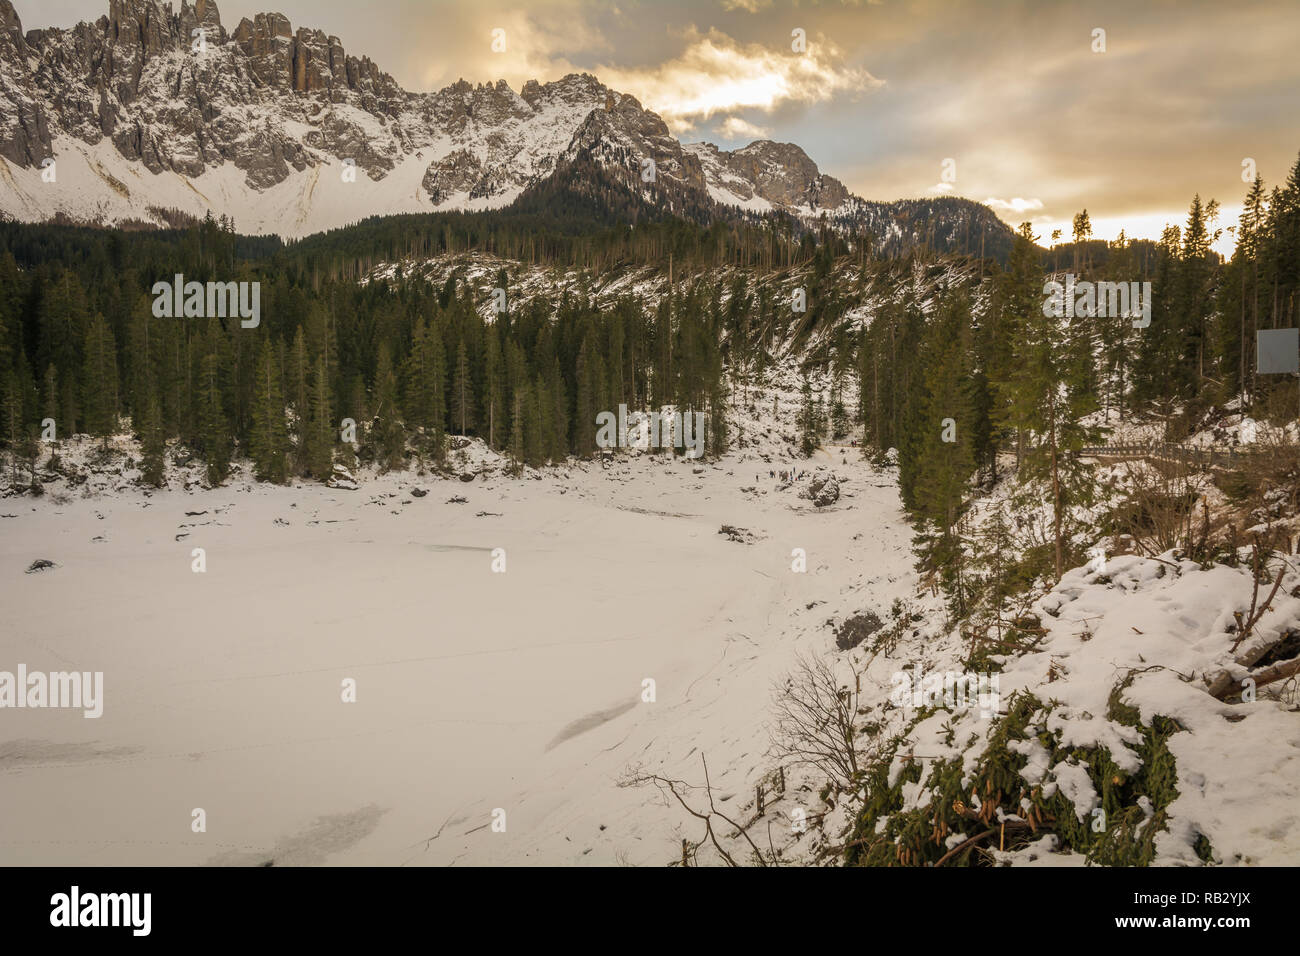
(475, 690)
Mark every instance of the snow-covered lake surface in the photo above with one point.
(475, 690)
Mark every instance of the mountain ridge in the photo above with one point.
(150, 110)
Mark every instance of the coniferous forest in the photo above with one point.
(411, 363)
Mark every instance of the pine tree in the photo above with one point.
(99, 378)
(13, 418)
(538, 439)
(269, 444)
(214, 429)
(50, 396)
(358, 409)
(318, 427)
(945, 461)
(1239, 298)
(1041, 398)
(153, 466)
(518, 427)
(462, 391)
(1193, 294)
(808, 437)
(584, 426)
(297, 379)
(558, 412)
(389, 432)
(425, 378)
(495, 388)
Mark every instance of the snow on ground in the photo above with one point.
(523, 690)
(1166, 624)
(97, 184)
(475, 690)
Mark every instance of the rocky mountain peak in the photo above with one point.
(282, 130)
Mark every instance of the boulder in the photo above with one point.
(856, 630)
(342, 478)
(823, 489)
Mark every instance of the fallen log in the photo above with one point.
(1225, 685)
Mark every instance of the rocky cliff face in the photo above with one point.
(152, 108)
(177, 93)
(766, 175)
(24, 125)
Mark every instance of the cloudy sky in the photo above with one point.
(1037, 118)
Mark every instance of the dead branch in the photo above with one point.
(679, 787)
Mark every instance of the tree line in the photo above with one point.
(409, 362)
(981, 370)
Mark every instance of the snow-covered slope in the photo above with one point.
(147, 110)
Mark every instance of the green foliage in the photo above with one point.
(269, 443)
(1135, 805)
(152, 445)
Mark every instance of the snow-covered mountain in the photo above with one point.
(147, 111)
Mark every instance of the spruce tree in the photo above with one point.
(13, 418)
(584, 425)
(269, 442)
(425, 380)
(495, 389)
(518, 428)
(153, 465)
(99, 378)
(214, 429)
(50, 397)
(389, 431)
(945, 461)
(808, 437)
(1041, 398)
(462, 391)
(318, 427)
(297, 383)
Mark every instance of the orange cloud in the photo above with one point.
(716, 75)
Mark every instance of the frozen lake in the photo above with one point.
(475, 690)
